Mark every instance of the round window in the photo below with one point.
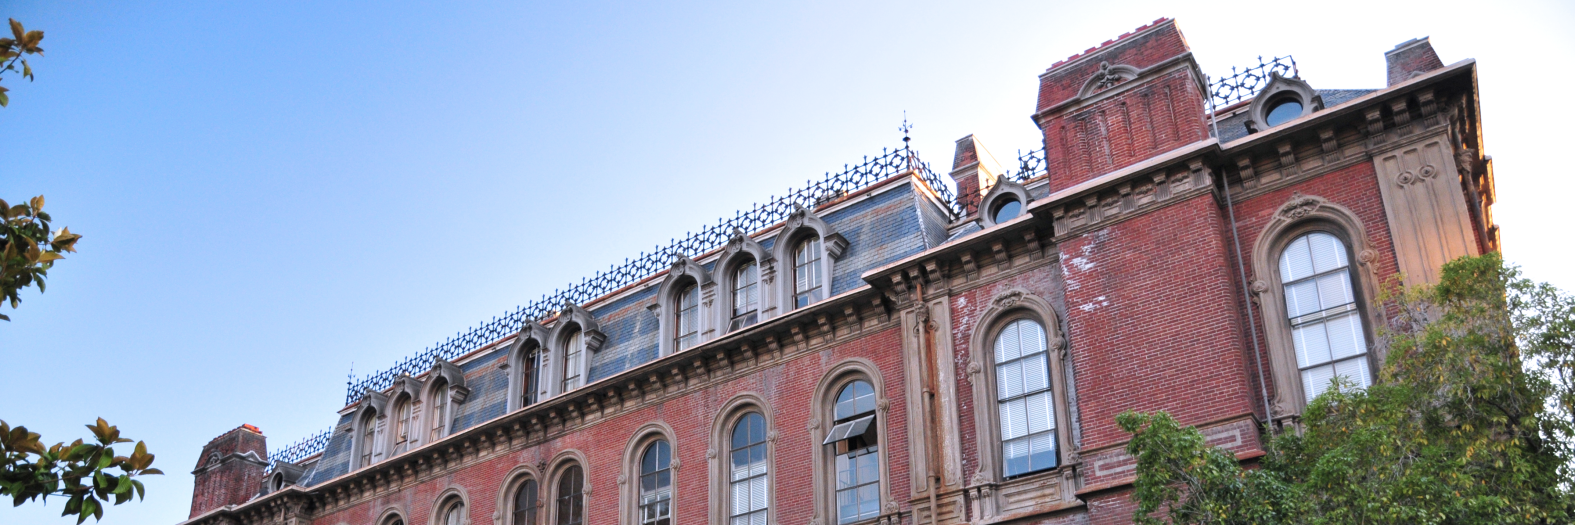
(1283, 111)
(1007, 209)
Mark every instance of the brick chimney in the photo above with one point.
(230, 469)
(1112, 106)
(974, 169)
(1411, 58)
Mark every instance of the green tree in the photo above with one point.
(80, 472)
(1469, 423)
(28, 249)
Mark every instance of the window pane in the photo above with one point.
(1009, 378)
(1015, 457)
(1345, 336)
(1036, 373)
(1032, 336)
(869, 500)
(1014, 419)
(1316, 380)
(1302, 298)
(1328, 252)
(1039, 415)
(1354, 370)
(1041, 449)
(1334, 290)
(741, 495)
(1296, 261)
(1007, 346)
(1312, 345)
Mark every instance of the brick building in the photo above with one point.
(877, 349)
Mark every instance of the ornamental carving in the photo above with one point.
(1009, 299)
(974, 368)
(814, 423)
(710, 453)
(1366, 257)
(1259, 287)
(1299, 206)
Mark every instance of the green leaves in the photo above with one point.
(80, 471)
(28, 248)
(1469, 422)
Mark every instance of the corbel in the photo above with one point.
(899, 283)
(1091, 203)
(1058, 218)
(458, 393)
(1002, 259)
(633, 393)
(1331, 146)
(678, 376)
(700, 370)
(1429, 107)
(835, 245)
(933, 268)
(593, 403)
(1032, 238)
(915, 276)
(594, 340)
(1201, 176)
(723, 362)
(882, 306)
(772, 345)
(798, 333)
(1128, 202)
(1249, 178)
(1161, 190)
(824, 321)
(1287, 160)
(851, 313)
(1375, 125)
(1400, 108)
(747, 351)
(971, 267)
(653, 385)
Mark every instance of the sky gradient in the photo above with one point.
(270, 192)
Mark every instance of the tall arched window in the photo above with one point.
(687, 319)
(571, 501)
(439, 410)
(453, 513)
(573, 348)
(368, 436)
(1326, 328)
(1024, 399)
(748, 470)
(402, 427)
(526, 503)
(857, 453)
(807, 279)
(528, 376)
(746, 296)
(656, 484)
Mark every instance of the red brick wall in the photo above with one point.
(788, 389)
(1153, 316)
(235, 480)
(1354, 187)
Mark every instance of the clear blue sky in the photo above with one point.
(270, 191)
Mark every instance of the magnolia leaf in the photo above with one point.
(16, 29)
(38, 204)
(32, 39)
(4, 100)
(27, 71)
(49, 257)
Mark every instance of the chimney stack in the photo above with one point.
(1411, 58)
(230, 469)
(975, 170)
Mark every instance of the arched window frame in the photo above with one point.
(823, 461)
(1300, 215)
(1004, 189)
(629, 478)
(721, 458)
(740, 250)
(444, 391)
(1008, 306)
(1278, 89)
(392, 515)
(560, 465)
(802, 224)
(367, 417)
(451, 496)
(527, 364)
(506, 505)
(406, 394)
(683, 273)
(572, 318)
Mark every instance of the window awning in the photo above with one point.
(850, 429)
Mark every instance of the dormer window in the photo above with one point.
(1006, 209)
(368, 437)
(746, 296)
(1283, 111)
(807, 278)
(574, 344)
(688, 318)
(402, 428)
(439, 410)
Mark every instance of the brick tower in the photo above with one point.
(230, 469)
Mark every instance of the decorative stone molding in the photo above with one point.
(802, 223)
(1107, 77)
(1301, 214)
(1004, 189)
(1098, 208)
(684, 272)
(1281, 88)
(822, 402)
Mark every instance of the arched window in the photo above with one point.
(526, 503)
(402, 426)
(687, 318)
(529, 374)
(453, 513)
(747, 471)
(857, 450)
(571, 500)
(573, 348)
(368, 436)
(1320, 303)
(1024, 399)
(656, 484)
(439, 410)
(807, 279)
(746, 295)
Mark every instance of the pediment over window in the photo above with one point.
(684, 268)
(573, 315)
(1284, 99)
(453, 376)
(532, 333)
(373, 400)
(741, 243)
(802, 218)
(407, 385)
(1107, 77)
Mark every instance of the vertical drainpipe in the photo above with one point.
(926, 334)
